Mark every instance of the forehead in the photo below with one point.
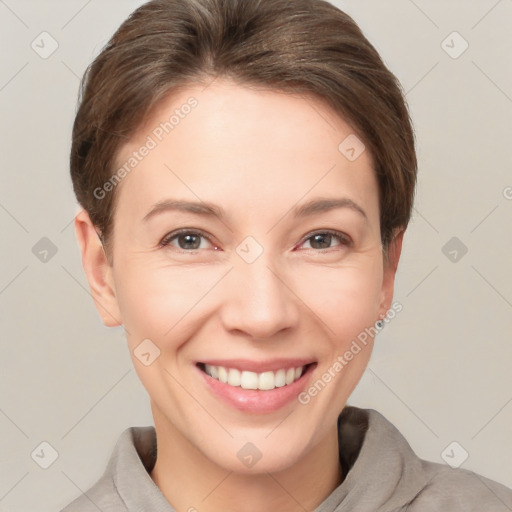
(243, 144)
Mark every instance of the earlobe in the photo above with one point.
(391, 259)
(97, 270)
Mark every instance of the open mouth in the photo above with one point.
(264, 381)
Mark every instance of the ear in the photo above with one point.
(390, 262)
(98, 270)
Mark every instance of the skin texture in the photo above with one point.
(257, 154)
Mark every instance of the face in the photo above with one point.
(247, 247)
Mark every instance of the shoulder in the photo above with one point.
(125, 481)
(460, 489)
(419, 485)
(101, 496)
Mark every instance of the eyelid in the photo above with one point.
(343, 237)
(166, 240)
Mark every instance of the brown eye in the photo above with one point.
(324, 240)
(321, 241)
(189, 241)
(186, 240)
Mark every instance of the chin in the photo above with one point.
(248, 458)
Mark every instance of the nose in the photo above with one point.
(259, 300)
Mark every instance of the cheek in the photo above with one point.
(157, 302)
(166, 303)
(346, 299)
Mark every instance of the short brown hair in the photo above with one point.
(308, 47)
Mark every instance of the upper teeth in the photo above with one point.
(251, 380)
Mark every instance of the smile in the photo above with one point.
(264, 381)
(256, 387)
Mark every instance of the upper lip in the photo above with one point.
(270, 365)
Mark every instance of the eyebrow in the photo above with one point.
(322, 205)
(313, 207)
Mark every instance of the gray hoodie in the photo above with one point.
(383, 474)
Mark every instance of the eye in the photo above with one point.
(323, 239)
(187, 240)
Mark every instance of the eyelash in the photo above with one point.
(343, 239)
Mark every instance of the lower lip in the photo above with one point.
(254, 400)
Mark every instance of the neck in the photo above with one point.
(191, 482)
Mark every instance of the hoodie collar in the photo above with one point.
(385, 476)
(381, 470)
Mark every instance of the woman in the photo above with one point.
(246, 171)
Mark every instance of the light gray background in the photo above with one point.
(441, 371)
